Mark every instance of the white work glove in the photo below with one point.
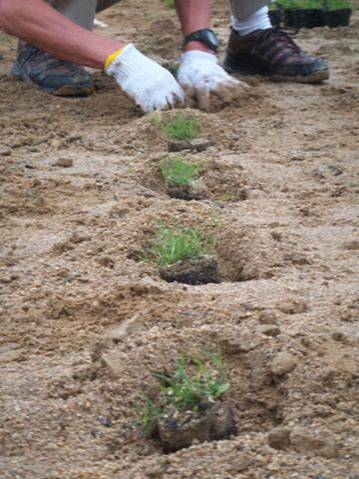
(151, 86)
(201, 77)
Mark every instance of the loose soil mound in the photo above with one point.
(84, 323)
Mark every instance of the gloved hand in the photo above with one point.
(151, 86)
(201, 77)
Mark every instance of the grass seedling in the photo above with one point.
(178, 172)
(285, 3)
(172, 245)
(309, 5)
(332, 5)
(197, 382)
(178, 127)
(147, 416)
(301, 4)
(191, 390)
(273, 6)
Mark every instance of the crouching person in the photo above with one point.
(56, 42)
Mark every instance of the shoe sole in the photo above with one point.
(69, 91)
(64, 91)
(234, 66)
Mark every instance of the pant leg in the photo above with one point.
(103, 4)
(245, 8)
(81, 12)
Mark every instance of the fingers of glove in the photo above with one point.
(158, 96)
(189, 90)
(176, 98)
(176, 101)
(203, 98)
(241, 85)
(163, 105)
(221, 76)
(149, 103)
(180, 102)
(169, 101)
(180, 97)
(176, 95)
(189, 95)
(230, 89)
(226, 92)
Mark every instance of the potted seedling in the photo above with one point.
(318, 18)
(182, 132)
(184, 255)
(337, 13)
(191, 404)
(275, 14)
(303, 13)
(182, 179)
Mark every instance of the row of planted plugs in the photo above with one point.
(183, 254)
(190, 402)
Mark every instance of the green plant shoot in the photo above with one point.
(197, 382)
(172, 245)
(178, 127)
(178, 172)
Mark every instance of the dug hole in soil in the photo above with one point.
(84, 325)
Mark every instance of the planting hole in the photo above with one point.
(214, 254)
(189, 176)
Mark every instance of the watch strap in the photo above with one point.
(197, 36)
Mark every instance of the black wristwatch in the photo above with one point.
(206, 36)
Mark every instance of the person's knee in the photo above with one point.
(9, 10)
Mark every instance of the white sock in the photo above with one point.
(259, 20)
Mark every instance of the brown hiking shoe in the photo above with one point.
(54, 76)
(273, 53)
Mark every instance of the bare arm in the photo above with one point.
(41, 25)
(194, 15)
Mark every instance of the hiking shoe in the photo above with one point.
(54, 76)
(273, 53)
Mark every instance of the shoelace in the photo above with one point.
(277, 35)
(30, 52)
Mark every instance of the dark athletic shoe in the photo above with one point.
(54, 76)
(273, 53)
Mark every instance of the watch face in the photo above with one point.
(206, 36)
(212, 38)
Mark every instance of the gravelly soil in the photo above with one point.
(283, 179)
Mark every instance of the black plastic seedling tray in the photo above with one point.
(337, 18)
(276, 17)
(300, 18)
(310, 18)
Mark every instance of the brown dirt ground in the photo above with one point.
(288, 255)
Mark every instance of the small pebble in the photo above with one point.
(5, 151)
(283, 363)
(64, 162)
(269, 330)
